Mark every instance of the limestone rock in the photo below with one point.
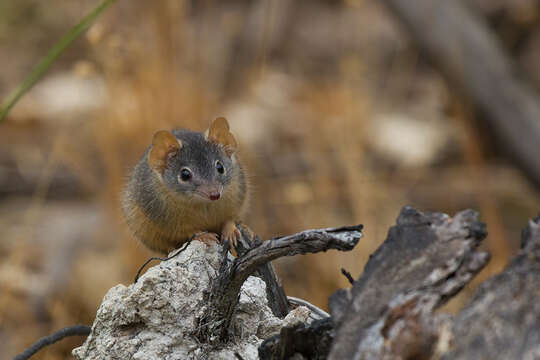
(157, 317)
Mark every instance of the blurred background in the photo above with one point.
(340, 118)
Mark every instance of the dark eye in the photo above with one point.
(185, 174)
(219, 167)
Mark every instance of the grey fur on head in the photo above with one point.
(200, 157)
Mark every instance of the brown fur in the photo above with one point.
(186, 215)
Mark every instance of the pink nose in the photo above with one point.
(214, 196)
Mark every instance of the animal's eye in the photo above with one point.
(185, 174)
(219, 167)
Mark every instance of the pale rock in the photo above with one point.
(156, 318)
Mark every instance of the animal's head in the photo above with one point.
(194, 164)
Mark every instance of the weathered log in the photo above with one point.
(426, 259)
(389, 312)
(502, 321)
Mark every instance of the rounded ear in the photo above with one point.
(219, 133)
(164, 145)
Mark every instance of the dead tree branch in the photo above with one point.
(277, 299)
(223, 296)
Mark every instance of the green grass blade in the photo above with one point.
(52, 55)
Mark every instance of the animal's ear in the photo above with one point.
(164, 146)
(219, 133)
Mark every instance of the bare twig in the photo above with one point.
(347, 275)
(75, 330)
(316, 312)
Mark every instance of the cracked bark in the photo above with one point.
(426, 259)
(390, 311)
(502, 321)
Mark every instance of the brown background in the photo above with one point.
(339, 117)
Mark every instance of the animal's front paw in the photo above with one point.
(206, 237)
(230, 233)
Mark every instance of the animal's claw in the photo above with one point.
(230, 233)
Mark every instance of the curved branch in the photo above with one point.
(75, 330)
(223, 296)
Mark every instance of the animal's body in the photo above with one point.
(187, 183)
